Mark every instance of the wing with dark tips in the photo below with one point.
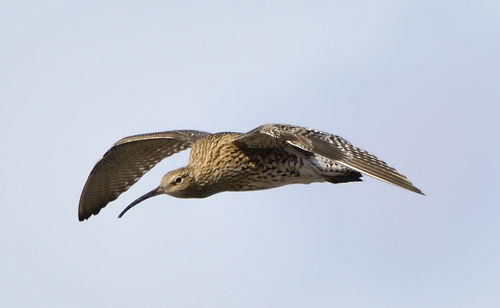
(126, 162)
(330, 146)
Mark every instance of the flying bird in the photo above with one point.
(268, 156)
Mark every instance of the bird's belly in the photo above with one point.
(265, 179)
(254, 169)
(267, 173)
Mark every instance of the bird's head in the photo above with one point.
(178, 183)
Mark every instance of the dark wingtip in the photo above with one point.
(415, 190)
(84, 214)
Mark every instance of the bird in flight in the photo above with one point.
(268, 156)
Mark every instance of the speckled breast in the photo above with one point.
(220, 163)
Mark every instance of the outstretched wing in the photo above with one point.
(125, 163)
(327, 145)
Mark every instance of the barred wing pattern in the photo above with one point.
(126, 162)
(330, 146)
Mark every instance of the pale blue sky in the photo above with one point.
(415, 82)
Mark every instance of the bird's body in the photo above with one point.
(269, 156)
(217, 165)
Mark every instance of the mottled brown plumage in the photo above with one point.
(269, 156)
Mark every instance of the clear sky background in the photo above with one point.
(415, 82)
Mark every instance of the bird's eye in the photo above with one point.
(178, 180)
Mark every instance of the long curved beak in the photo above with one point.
(155, 192)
